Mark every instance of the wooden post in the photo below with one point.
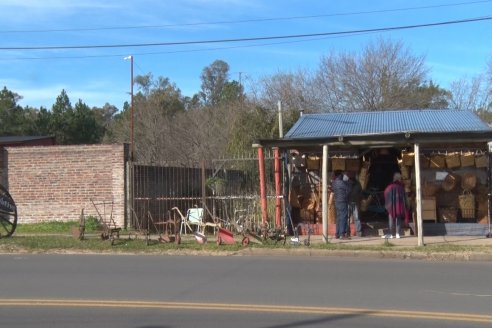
(278, 188)
(418, 196)
(263, 198)
(324, 195)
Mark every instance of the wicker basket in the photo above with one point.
(408, 158)
(352, 164)
(338, 164)
(424, 161)
(453, 160)
(468, 181)
(481, 161)
(467, 159)
(437, 161)
(312, 162)
(405, 172)
(467, 205)
(363, 179)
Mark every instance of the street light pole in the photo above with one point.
(132, 138)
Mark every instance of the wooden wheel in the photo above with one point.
(8, 213)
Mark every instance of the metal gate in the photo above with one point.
(226, 188)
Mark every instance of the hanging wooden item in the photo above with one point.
(437, 161)
(453, 160)
(408, 158)
(338, 164)
(467, 159)
(481, 161)
(352, 164)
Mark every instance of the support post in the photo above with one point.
(263, 198)
(204, 189)
(278, 188)
(324, 193)
(418, 196)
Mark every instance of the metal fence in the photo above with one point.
(226, 188)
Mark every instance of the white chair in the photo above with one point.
(193, 217)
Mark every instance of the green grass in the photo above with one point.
(56, 236)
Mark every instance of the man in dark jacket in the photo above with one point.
(341, 191)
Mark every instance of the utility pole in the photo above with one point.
(132, 137)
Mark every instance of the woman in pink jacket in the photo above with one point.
(396, 203)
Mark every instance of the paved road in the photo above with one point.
(215, 291)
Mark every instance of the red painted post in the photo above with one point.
(278, 187)
(263, 198)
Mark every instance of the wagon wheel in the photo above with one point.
(8, 213)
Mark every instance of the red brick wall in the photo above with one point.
(56, 182)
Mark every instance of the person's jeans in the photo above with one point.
(342, 218)
(353, 209)
(397, 225)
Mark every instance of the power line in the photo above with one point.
(292, 36)
(188, 50)
(253, 20)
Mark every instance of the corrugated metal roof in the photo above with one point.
(323, 125)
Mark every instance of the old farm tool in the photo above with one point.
(109, 229)
(170, 232)
(225, 236)
(8, 213)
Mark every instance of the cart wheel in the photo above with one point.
(245, 241)
(219, 241)
(8, 213)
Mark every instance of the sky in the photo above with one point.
(47, 46)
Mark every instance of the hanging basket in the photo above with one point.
(405, 172)
(424, 161)
(338, 164)
(437, 161)
(363, 179)
(453, 160)
(352, 164)
(468, 181)
(467, 159)
(467, 205)
(408, 158)
(312, 162)
(481, 161)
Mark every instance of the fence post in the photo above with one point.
(263, 198)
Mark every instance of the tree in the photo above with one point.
(214, 78)
(384, 76)
(84, 128)
(469, 94)
(12, 120)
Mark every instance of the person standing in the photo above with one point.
(355, 199)
(396, 203)
(341, 191)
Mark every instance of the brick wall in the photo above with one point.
(56, 182)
